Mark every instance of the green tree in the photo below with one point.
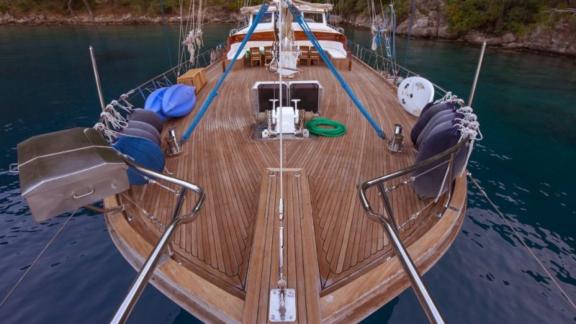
(491, 16)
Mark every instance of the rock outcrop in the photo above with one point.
(429, 21)
(211, 14)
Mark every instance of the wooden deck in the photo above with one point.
(222, 247)
(300, 254)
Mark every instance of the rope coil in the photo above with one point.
(318, 126)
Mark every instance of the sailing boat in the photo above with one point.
(290, 193)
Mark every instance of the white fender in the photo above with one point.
(414, 93)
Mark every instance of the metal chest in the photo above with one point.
(63, 171)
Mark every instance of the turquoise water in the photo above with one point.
(526, 106)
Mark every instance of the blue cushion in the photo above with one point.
(154, 102)
(178, 100)
(136, 132)
(144, 152)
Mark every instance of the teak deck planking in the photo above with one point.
(225, 159)
(300, 259)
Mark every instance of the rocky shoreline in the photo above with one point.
(212, 15)
(558, 39)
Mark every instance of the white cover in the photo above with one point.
(414, 93)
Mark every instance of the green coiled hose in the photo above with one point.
(325, 127)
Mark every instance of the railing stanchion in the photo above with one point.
(147, 270)
(388, 221)
(97, 78)
(477, 75)
(451, 167)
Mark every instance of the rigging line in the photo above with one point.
(310, 34)
(214, 91)
(200, 14)
(191, 19)
(515, 233)
(281, 279)
(181, 3)
(186, 29)
(48, 244)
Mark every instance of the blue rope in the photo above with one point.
(300, 19)
(214, 91)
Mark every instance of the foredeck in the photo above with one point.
(229, 163)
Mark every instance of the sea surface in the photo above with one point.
(526, 104)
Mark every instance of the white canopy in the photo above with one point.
(303, 6)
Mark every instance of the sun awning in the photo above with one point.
(303, 6)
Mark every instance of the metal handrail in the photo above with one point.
(422, 165)
(160, 176)
(389, 225)
(137, 287)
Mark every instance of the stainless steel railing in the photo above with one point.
(388, 221)
(147, 270)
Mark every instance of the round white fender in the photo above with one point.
(414, 93)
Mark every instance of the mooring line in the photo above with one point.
(518, 237)
(19, 281)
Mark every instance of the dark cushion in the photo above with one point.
(148, 117)
(268, 91)
(427, 113)
(309, 95)
(439, 118)
(151, 130)
(428, 182)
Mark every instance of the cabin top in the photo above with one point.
(303, 6)
(332, 39)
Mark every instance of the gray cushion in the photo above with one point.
(144, 126)
(427, 184)
(439, 118)
(147, 116)
(429, 111)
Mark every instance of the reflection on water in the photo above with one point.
(525, 104)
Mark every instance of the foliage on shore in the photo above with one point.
(91, 7)
(462, 16)
(487, 16)
(499, 17)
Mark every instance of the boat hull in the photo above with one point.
(208, 274)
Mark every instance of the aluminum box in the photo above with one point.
(63, 171)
